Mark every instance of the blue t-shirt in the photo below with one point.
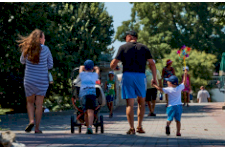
(88, 81)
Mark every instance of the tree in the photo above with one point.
(201, 67)
(74, 32)
(166, 25)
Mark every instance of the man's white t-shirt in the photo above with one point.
(88, 81)
(203, 96)
(174, 94)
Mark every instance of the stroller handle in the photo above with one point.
(73, 71)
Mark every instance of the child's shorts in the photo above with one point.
(89, 102)
(109, 98)
(174, 112)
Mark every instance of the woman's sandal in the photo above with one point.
(179, 134)
(29, 127)
(131, 132)
(38, 132)
(140, 130)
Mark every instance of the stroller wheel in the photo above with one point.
(101, 124)
(96, 129)
(80, 129)
(72, 124)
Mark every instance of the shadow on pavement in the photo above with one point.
(114, 139)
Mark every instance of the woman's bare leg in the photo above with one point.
(30, 108)
(38, 112)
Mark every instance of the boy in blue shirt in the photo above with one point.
(174, 109)
(88, 91)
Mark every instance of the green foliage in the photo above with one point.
(166, 25)
(74, 32)
(201, 67)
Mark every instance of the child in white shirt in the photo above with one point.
(174, 109)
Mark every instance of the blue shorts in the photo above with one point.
(174, 112)
(133, 85)
(109, 98)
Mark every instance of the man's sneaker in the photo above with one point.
(131, 132)
(89, 131)
(167, 130)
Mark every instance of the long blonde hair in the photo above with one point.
(30, 45)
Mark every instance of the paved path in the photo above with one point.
(202, 125)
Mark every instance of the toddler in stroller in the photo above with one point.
(91, 98)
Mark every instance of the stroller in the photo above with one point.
(77, 120)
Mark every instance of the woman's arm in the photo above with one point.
(189, 80)
(173, 71)
(50, 60)
(185, 77)
(22, 59)
(163, 72)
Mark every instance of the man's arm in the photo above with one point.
(160, 82)
(114, 63)
(209, 99)
(153, 68)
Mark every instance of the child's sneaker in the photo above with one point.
(167, 130)
(89, 131)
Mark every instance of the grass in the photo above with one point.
(4, 110)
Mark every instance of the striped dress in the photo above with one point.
(36, 75)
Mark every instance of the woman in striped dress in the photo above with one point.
(38, 60)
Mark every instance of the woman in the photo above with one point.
(186, 91)
(166, 73)
(38, 60)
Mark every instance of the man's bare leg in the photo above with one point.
(130, 112)
(153, 105)
(141, 110)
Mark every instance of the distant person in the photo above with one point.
(38, 60)
(151, 94)
(174, 109)
(110, 87)
(88, 92)
(187, 89)
(167, 71)
(133, 56)
(203, 95)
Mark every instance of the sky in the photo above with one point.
(120, 11)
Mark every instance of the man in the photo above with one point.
(151, 94)
(133, 56)
(203, 95)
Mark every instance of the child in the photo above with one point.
(174, 109)
(187, 89)
(110, 87)
(88, 92)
